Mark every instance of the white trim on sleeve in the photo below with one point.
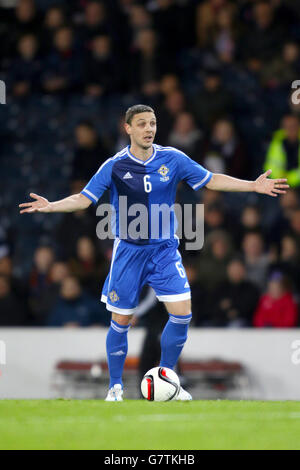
(202, 181)
(90, 194)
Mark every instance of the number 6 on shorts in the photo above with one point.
(180, 269)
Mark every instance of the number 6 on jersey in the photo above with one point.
(147, 184)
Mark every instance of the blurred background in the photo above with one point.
(218, 74)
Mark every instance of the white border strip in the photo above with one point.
(117, 243)
(174, 298)
(121, 311)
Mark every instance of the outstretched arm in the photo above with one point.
(69, 204)
(262, 184)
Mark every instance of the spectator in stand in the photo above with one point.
(256, 260)
(167, 18)
(26, 21)
(63, 67)
(148, 62)
(95, 23)
(174, 104)
(185, 136)
(283, 155)
(281, 224)
(24, 73)
(19, 286)
(54, 19)
(72, 226)
(101, 72)
(289, 202)
(49, 294)
(213, 101)
(276, 308)
(139, 19)
(207, 19)
(251, 220)
(224, 34)
(12, 311)
(214, 259)
(121, 139)
(75, 308)
(168, 84)
(288, 262)
(224, 152)
(264, 38)
(209, 197)
(283, 70)
(90, 153)
(87, 265)
(235, 300)
(215, 218)
(294, 229)
(39, 279)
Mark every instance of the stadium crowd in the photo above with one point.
(218, 74)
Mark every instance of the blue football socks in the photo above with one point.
(173, 339)
(116, 349)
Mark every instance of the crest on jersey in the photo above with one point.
(163, 171)
(113, 296)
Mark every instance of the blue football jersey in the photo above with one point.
(145, 186)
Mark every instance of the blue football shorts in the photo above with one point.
(132, 266)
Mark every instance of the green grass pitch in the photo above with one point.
(132, 425)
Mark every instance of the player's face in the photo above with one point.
(142, 129)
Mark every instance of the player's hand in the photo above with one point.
(41, 204)
(272, 187)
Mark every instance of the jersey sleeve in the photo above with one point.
(99, 182)
(190, 171)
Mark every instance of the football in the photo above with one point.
(160, 384)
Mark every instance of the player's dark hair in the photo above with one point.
(136, 109)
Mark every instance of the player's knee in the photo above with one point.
(181, 308)
(121, 319)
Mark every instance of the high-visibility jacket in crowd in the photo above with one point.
(276, 160)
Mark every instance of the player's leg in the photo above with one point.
(170, 283)
(121, 294)
(175, 333)
(174, 337)
(116, 350)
